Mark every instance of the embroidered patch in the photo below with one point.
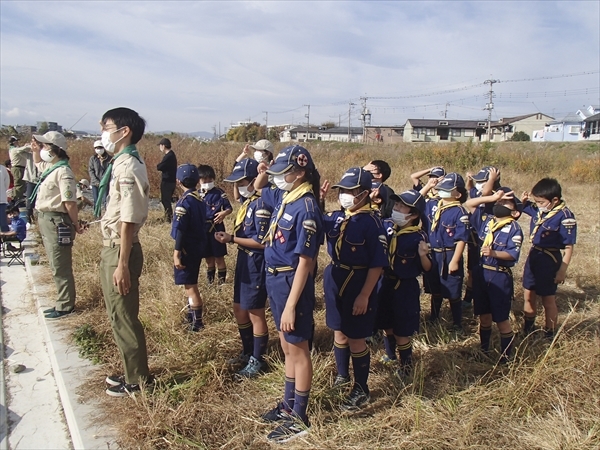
(464, 219)
(224, 195)
(180, 211)
(263, 213)
(310, 225)
(569, 223)
(68, 194)
(126, 181)
(383, 239)
(390, 231)
(249, 214)
(505, 229)
(287, 216)
(302, 160)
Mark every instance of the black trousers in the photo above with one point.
(166, 195)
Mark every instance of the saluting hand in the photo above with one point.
(122, 280)
(360, 305)
(325, 188)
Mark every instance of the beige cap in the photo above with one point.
(84, 182)
(52, 137)
(98, 144)
(263, 145)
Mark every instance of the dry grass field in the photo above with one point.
(549, 398)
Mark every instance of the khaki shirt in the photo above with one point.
(18, 155)
(58, 187)
(128, 197)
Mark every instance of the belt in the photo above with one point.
(245, 250)
(442, 249)
(20, 167)
(394, 277)
(51, 214)
(276, 270)
(344, 266)
(548, 251)
(497, 268)
(114, 242)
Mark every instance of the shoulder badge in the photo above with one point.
(180, 211)
(310, 206)
(383, 239)
(310, 225)
(263, 214)
(570, 222)
(464, 219)
(223, 194)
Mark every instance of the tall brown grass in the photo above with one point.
(549, 398)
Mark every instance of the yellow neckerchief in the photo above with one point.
(349, 214)
(493, 226)
(394, 241)
(288, 197)
(431, 194)
(239, 218)
(540, 220)
(438, 213)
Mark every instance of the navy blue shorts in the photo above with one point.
(350, 283)
(278, 289)
(493, 293)
(540, 270)
(450, 283)
(249, 288)
(472, 256)
(189, 275)
(214, 248)
(332, 316)
(431, 280)
(399, 307)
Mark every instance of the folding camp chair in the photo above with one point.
(14, 251)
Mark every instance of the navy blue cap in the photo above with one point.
(483, 174)
(451, 181)
(187, 171)
(355, 177)
(294, 156)
(246, 168)
(410, 198)
(516, 200)
(437, 172)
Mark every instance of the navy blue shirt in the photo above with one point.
(215, 201)
(407, 262)
(453, 225)
(363, 242)
(256, 221)
(19, 226)
(557, 231)
(507, 239)
(189, 222)
(299, 230)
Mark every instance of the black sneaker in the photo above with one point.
(355, 400)
(123, 390)
(253, 369)
(341, 381)
(49, 310)
(115, 380)
(289, 429)
(276, 414)
(57, 314)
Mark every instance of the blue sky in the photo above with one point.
(188, 66)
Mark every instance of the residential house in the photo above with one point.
(565, 130)
(340, 134)
(384, 134)
(591, 128)
(303, 134)
(503, 129)
(435, 130)
(588, 112)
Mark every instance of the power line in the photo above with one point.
(551, 77)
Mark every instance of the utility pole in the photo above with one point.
(350, 105)
(365, 118)
(446, 111)
(266, 124)
(489, 106)
(307, 115)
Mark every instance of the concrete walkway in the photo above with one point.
(41, 408)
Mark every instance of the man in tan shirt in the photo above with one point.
(122, 258)
(18, 161)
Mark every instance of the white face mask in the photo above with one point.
(244, 192)
(207, 186)
(399, 218)
(346, 200)
(46, 155)
(444, 194)
(280, 182)
(259, 156)
(99, 151)
(106, 142)
(479, 186)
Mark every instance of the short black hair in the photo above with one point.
(13, 209)
(384, 168)
(7, 163)
(206, 171)
(415, 222)
(58, 151)
(125, 117)
(547, 188)
(189, 183)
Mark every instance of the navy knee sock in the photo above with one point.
(506, 343)
(260, 345)
(247, 337)
(221, 276)
(485, 334)
(289, 395)
(406, 356)
(456, 309)
(300, 404)
(529, 324)
(361, 363)
(341, 352)
(210, 275)
(390, 346)
(436, 306)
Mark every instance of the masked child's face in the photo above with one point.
(544, 204)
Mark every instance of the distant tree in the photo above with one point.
(520, 136)
(328, 125)
(247, 133)
(8, 130)
(43, 129)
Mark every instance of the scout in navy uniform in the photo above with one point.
(188, 231)
(553, 228)
(249, 291)
(292, 246)
(448, 234)
(499, 240)
(483, 183)
(217, 208)
(358, 250)
(432, 173)
(381, 192)
(399, 291)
